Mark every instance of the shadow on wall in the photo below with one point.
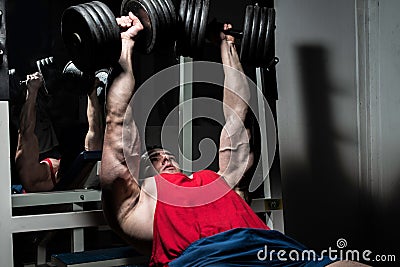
(386, 221)
(322, 204)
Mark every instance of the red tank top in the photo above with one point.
(189, 209)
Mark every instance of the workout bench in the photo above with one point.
(76, 219)
(72, 216)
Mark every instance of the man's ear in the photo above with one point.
(146, 168)
(149, 171)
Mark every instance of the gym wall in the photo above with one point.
(338, 81)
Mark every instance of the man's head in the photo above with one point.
(158, 160)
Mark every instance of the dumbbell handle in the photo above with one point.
(214, 27)
(234, 32)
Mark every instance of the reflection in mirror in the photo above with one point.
(56, 111)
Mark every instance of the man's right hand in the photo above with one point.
(34, 82)
(131, 24)
(227, 37)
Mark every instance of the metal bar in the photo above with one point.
(368, 96)
(67, 220)
(52, 198)
(41, 254)
(263, 131)
(42, 248)
(77, 235)
(186, 113)
(274, 216)
(266, 204)
(6, 244)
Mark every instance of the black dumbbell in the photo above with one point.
(256, 36)
(92, 37)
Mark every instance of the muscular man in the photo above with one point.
(42, 175)
(181, 220)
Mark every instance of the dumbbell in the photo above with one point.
(71, 72)
(43, 66)
(256, 36)
(91, 34)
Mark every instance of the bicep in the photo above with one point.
(119, 169)
(139, 223)
(120, 189)
(235, 157)
(133, 218)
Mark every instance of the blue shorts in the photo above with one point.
(248, 247)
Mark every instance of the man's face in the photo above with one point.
(163, 161)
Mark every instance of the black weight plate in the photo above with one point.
(173, 15)
(96, 38)
(166, 13)
(148, 18)
(162, 20)
(167, 31)
(245, 44)
(91, 22)
(182, 10)
(261, 35)
(270, 31)
(203, 23)
(153, 14)
(180, 43)
(254, 34)
(112, 37)
(98, 26)
(77, 36)
(184, 43)
(100, 60)
(172, 20)
(197, 4)
(188, 27)
(104, 26)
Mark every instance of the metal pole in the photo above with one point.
(263, 131)
(6, 242)
(186, 113)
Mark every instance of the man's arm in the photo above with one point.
(34, 176)
(123, 201)
(235, 157)
(94, 136)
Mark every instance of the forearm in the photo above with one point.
(119, 183)
(28, 115)
(33, 175)
(114, 163)
(27, 140)
(235, 156)
(94, 136)
(236, 88)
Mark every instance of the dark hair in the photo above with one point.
(153, 147)
(145, 163)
